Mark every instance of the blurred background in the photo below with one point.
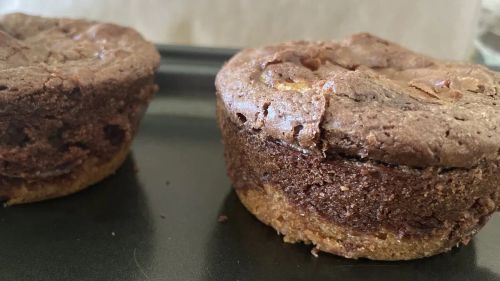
(442, 28)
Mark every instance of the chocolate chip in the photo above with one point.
(14, 135)
(481, 88)
(242, 117)
(296, 131)
(65, 29)
(56, 138)
(310, 63)
(381, 236)
(265, 108)
(75, 93)
(3, 87)
(114, 134)
(3, 199)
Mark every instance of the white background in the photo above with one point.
(443, 28)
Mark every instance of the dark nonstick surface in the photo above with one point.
(158, 217)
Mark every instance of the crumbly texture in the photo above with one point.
(271, 206)
(71, 91)
(367, 98)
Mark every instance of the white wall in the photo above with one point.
(443, 28)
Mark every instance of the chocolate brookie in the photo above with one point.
(72, 94)
(362, 147)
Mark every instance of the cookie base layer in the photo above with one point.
(271, 207)
(90, 172)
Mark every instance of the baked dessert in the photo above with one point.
(72, 94)
(362, 147)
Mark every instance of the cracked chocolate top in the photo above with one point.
(37, 54)
(70, 90)
(368, 98)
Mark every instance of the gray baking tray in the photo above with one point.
(160, 216)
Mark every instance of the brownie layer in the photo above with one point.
(363, 195)
(70, 90)
(51, 143)
(366, 98)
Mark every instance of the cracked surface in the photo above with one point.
(70, 90)
(366, 197)
(46, 53)
(367, 98)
